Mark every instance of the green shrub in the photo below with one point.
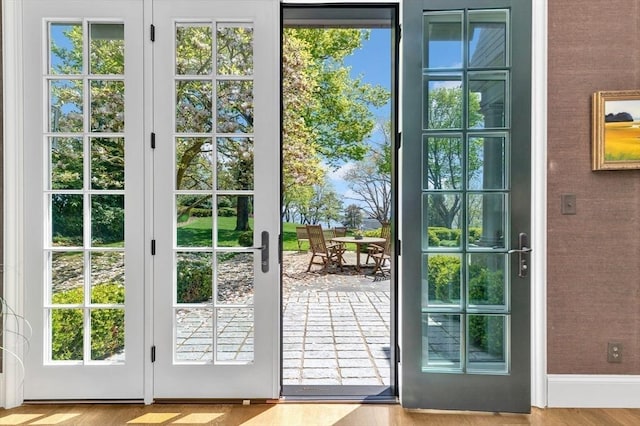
(224, 202)
(107, 325)
(486, 287)
(434, 241)
(194, 278)
(227, 212)
(198, 212)
(474, 235)
(245, 239)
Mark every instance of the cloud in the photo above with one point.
(339, 173)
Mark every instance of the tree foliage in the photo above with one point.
(445, 159)
(338, 113)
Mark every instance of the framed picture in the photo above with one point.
(616, 130)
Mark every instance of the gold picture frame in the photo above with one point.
(616, 130)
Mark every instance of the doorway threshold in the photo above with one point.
(319, 393)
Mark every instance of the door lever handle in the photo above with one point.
(523, 264)
(264, 248)
(522, 250)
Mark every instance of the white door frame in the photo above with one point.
(13, 262)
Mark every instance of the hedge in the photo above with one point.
(107, 325)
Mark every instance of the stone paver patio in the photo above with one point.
(336, 328)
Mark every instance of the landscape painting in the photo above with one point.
(616, 130)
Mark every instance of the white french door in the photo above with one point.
(83, 190)
(136, 249)
(216, 292)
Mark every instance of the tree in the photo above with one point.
(370, 179)
(325, 205)
(352, 216)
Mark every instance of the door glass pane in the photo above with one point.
(234, 278)
(234, 106)
(67, 220)
(65, 111)
(194, 44)
(107, 277)
(194, 158)
(107, 333)
(66, 163)
(487, 343)
(441, 342)
(194, 335)
(443, 101)
(107, 106)
(441, 213)
(486, 161)
(194, 222)
(234, 324)
(67, 277)
(234, 50)
(442, 280)
(67, 333)
(487, 100)
(487, 213)
(193, 106)
(65, 48)
(443, 162)
(107, 163)
(443, 44)
(107, 220)
(239, 215)
(106, 49)
(194, 277)
(488, 38)
(234, 163)
(487, 285)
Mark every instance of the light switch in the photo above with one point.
(568, 203)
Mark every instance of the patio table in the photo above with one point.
(358, 242)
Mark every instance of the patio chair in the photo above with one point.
(322, 253)
(380, 257)
(301, 235)
(340, 231)
(385, 233)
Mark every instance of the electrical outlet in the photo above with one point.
(614, 352)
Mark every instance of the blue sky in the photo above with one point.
(373, 63)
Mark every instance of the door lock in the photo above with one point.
(523, 251)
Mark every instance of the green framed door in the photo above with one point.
(465, 173)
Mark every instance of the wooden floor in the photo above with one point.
(303, 414)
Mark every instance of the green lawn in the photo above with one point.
(197, 233)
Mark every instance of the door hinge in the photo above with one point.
(398, 32)
(399, 248)
(398, 140)
(153, 353)
(153, 247)
(153, 32)
(153, 140)
(397, 353)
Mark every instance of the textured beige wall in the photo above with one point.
(593, 257)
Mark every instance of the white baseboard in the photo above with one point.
(593, 391)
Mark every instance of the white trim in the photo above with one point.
(539, 204)
(593, 391)
(148, 204)
(13, 202)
